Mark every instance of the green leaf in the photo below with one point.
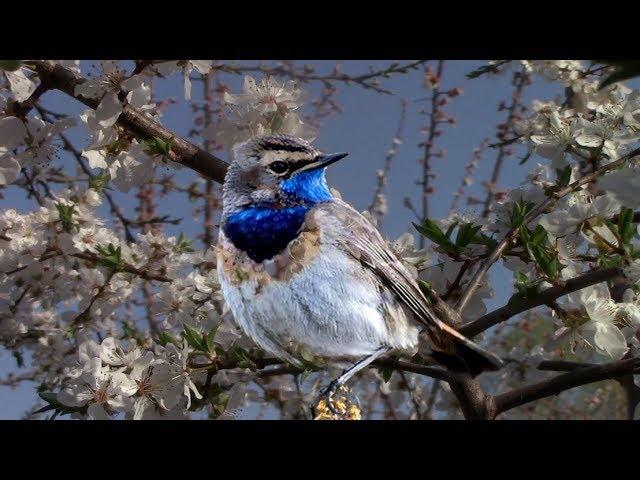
(564, 176)
(386, 373)
(128, 330)
(159, 146)
(433, 232)
(110, 256)
(425, 287)
(466, 234)
(194, 338)
(98, 182)
(486, 240)
(166, 337)
(276, 122)
(10, 65)
(625, 225)
(519, 211)
(183, 244)
(547, 262)
(241, 357)
(210, 337)
(450, 229)
(539, 236)
(537, 246)
(65, 212)
(307, 355)
(71, 331)
(485, 69)
(59, 408)
(525, 288)
(610, 261)
(49, 397)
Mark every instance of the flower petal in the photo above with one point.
(9, 169)
(13, 132)
(21, 86)
(108, 110)
(587, 140)
(96, 158)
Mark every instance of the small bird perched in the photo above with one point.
(305, 273)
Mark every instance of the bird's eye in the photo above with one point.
(279, 167)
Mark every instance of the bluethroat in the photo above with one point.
(306, 275)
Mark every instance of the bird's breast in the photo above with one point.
(312, 297)
(239, 268)
(262, 232)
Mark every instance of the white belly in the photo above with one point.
(332, 308)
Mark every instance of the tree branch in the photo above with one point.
(558, 384)
(519, 81)
(542, 207)
(187, 154)
(473, 328)
(68, 146)
(427, 371)
(367, 80)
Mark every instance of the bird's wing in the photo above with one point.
(353, 233)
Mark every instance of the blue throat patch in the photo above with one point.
(263, 231)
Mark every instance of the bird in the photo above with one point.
(305, 275)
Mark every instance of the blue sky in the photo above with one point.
(365, 130)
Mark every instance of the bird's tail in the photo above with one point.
(459, 353)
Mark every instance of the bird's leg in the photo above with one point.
(335, 384)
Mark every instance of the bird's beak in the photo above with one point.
(324, 160)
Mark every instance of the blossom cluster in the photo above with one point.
(573, 138)
(70, 285)
(263, 108)
(65, 279)
(68, 279)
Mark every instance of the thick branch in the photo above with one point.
(562, 365)
(502, 314)
(627, 382)
(560, 383)
(187, 154)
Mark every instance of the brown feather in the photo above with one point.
(364, 243)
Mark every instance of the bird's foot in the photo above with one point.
(336, 402)
(327, 393)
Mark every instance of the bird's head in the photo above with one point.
(276, 171)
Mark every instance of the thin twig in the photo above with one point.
(520, 80)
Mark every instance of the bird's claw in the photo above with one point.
(327, 393)
(336, 402)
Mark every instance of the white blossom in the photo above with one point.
(202, 66)
(554, 144)
(33, 139)
(21, 86)
(262, 108)
(103, 391)
(268, 96)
